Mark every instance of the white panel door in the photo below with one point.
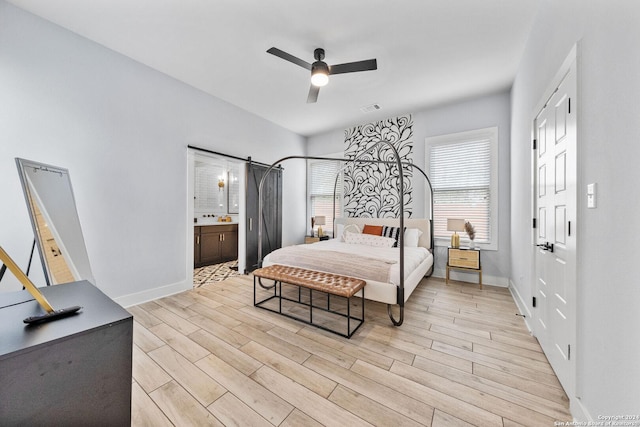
(555, 207)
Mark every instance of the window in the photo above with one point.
(463, 169)
(320, 183)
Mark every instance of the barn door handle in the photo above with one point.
(250, 224)
(547, 246)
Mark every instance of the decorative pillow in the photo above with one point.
(393, 232)
(411, 237)
(342, 229)
(376, 230)
(351, 228)
(369, 240)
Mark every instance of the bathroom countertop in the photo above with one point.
(207, 223)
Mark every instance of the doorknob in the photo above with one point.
(547, 246)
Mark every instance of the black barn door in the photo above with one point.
(271, 212)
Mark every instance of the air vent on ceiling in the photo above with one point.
(370, 108)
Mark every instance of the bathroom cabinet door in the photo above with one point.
(209, 245)
(229, 246)
(196, 246)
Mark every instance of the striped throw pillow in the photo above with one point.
(393, 232)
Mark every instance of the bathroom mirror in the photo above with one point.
(56, 226)
(211, 185)
(233, 191)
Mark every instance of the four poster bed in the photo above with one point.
(378, 266)
(391, 268)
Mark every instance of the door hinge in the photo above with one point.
(535, 144)
(569, 105)
(568, 351)
(568, 228)
(535, 223)
(533, 301)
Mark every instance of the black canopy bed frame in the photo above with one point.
(400, 168)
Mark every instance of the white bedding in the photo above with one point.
(417, 261)
(412, 256)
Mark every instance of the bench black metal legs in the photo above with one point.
(277, 294)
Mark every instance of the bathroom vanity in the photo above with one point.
(215, 243)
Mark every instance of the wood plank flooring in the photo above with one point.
(461, 358)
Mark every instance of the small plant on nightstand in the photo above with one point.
(471, 232)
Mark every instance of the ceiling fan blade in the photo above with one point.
(351, 67)
(313, 94)
(288, 57)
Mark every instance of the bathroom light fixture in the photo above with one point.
(220, 183)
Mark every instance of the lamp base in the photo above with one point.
(455, 240)
(320, 232)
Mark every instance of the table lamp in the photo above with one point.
(455, 224)
(320, 221)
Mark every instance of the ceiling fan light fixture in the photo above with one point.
(320, 70)
(319, 74)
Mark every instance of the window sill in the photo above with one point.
(446, 243)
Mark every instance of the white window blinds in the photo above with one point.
(462, 178)
(322, 177)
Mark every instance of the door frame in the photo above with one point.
(192, 155)
(570, 60)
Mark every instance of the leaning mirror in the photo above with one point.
(56, 226)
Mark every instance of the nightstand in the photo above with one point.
(314, 239)
(466, 260)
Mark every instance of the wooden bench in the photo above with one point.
(327, 283)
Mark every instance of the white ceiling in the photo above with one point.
(429, 52)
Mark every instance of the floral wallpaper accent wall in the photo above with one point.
(371, 189)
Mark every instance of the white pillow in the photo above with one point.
(411, 237)
(352, 228)
(342, 230)
(369, 240)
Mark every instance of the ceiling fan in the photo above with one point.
(320, 71)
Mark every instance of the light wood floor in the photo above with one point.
(462, 357)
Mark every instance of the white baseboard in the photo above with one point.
(152, 294)
(579, 412)
(461, 276)
(523, 308)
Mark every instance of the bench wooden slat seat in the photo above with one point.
(327, 283)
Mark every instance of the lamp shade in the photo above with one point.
(320, 220)
(454, 224)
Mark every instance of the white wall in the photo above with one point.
(608, 334)
(121, 129)
(483, 112)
